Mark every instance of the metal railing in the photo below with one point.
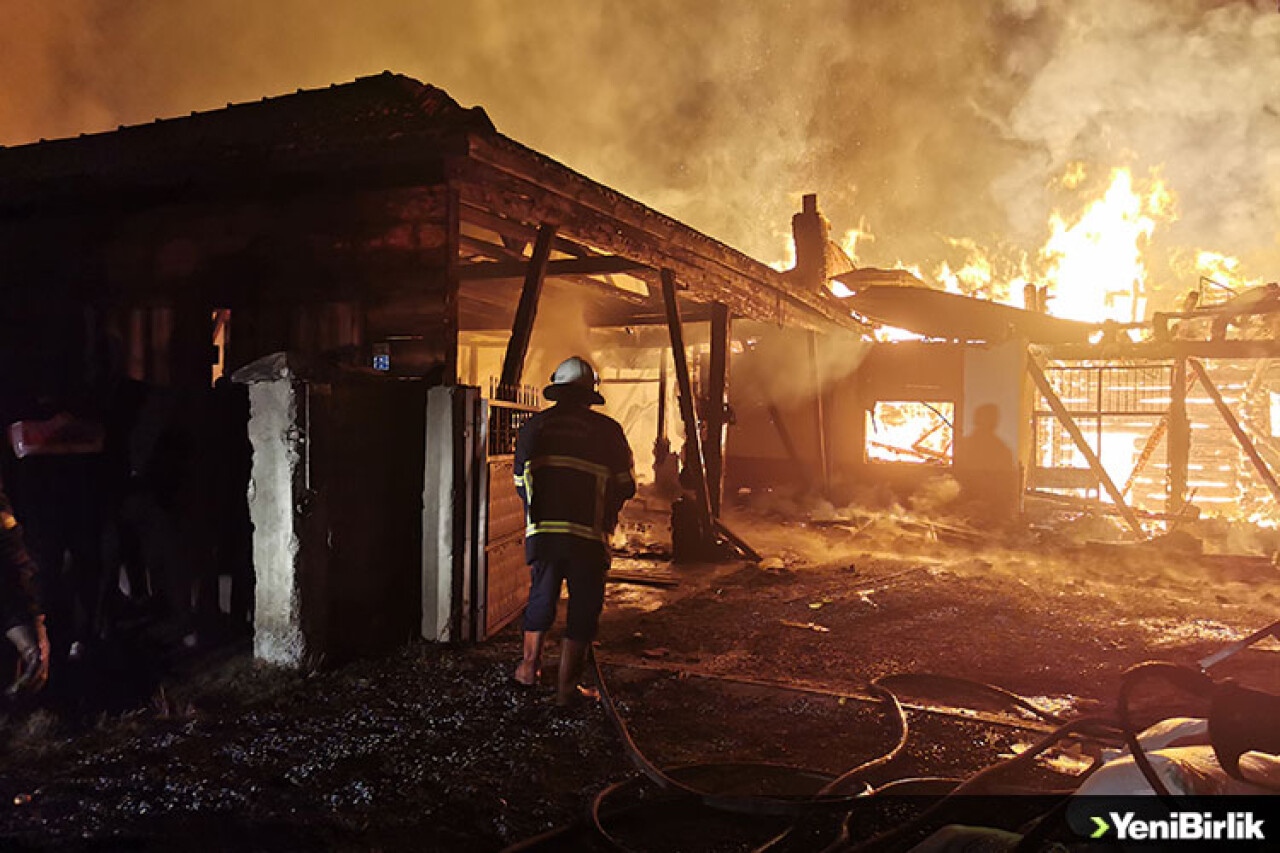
(510, 407)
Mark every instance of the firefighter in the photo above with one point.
(20, 616)
(573, 470)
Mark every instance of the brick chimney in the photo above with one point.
(811, 232)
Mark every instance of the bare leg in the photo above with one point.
(531, 663)
(573, 657)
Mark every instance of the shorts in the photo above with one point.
(586, 596)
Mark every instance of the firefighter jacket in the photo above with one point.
(573, 470)
(19, 600)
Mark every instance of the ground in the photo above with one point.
(434, 749)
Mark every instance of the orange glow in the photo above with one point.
(1096, 269)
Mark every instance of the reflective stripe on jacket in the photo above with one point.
(573, 470)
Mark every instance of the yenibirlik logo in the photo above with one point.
(1179, 826)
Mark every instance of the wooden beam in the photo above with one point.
(716, 414)
(1178, 449)
(1161, 350)
(452, 301)
(1238, 431)
(527, 310)
(684, 384)
(662, 394)
(502, 253)
(820, 414)
(1069, 424)
(762, 294)
(599, 265)
(549, 176)
(519, 232)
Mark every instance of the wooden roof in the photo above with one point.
(395, 130)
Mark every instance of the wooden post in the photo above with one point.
(716, 420)
(1073, 429)
(662, 395)
(1179, 446)
(820, 414)
(684, 385)
(453, 291)
(1238, 431)
(527, 311)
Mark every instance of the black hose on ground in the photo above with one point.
(786, 805)
(1095, 727)
(832, 797)
(1191, 680)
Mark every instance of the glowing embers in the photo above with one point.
(910, 431)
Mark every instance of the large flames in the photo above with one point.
(1094, 266)
(1096, 269)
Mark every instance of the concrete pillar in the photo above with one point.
(452, 516)
(277, 488)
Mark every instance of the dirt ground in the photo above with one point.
(434, 749)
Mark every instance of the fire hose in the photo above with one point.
(833, 798)
(1239, 721)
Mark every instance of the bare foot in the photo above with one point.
(527, 673)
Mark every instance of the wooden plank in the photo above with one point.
(716, 419)
(598, 265)
(1246, 444)
(820, 415)
(692, 435)
(1178, 450)
(1064, 417)
(527, 310)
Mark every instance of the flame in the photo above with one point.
(1223, 270)
(976, 275)
(1094, 264)
(1096, 269)
(849, 245)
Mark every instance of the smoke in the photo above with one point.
(934, 124)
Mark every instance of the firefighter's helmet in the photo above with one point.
(575, 379)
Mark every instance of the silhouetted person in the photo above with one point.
(989, 472)
(57, 488)
(21, 618)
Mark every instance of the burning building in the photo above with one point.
(377, 264)
(384, 270)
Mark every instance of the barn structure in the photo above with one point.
(372, 261)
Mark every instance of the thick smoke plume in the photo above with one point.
(934, 126)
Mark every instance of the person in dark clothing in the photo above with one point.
(573, 470)
(21, 618)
